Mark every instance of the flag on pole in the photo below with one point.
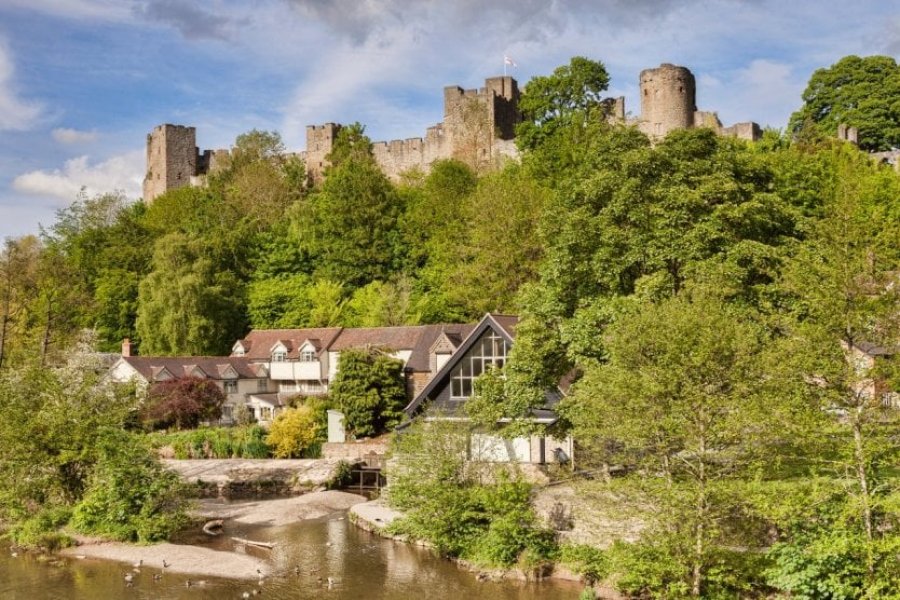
(507, 60)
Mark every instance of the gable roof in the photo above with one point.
(501, 324)
(258, 343)
(394, 338)
(420, 359)
(215, 367)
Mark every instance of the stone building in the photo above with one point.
(669, 102)
(478, 128)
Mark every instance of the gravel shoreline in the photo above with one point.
(205, 562)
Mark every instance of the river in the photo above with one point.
(360, 564)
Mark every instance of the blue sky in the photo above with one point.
(83, 81)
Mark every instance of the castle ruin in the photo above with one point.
(478, 129)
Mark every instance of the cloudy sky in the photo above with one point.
(83, 81)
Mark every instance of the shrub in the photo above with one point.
(588, 561)
(215, 442)
(369, 389)
(472, 511)
(294, 432)
(182, 403)
(42, 530)
(130, 496)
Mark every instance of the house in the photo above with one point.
(305, 361)
(238, 378)
(865, 357)
(451, 386)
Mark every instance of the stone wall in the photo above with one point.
(478, 129)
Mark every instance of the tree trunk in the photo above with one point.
(45, 339)
(700, 531)
(863, 480)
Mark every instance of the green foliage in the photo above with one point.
(42, 529)
(242, 441)
(296, 433)
(188, 306)
(570, 97)
(857, 91)
(472, 511)
(588, 561)
(130, 496)
(369, 389)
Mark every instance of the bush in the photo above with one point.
(369, 389)
(215, 442)
(588, 561)
(473, 511)
(182, 403)
(295, 432)
(42, 530)
(130, 496)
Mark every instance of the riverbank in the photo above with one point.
(199, 561)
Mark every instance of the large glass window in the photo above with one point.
(489, 351)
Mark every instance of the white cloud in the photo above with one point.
(124, 172)
(64, 135)
(15, 113)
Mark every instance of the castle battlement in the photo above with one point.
(478, 128)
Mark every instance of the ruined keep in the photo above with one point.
(478, 128)
(669, 102)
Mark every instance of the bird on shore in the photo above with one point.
(165, 564)
(138, 564)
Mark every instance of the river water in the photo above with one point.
(361, 565)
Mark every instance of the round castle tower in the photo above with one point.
(668, 99)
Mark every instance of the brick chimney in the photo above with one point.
(126, 347)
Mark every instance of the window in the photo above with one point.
(265, 413)
(262, 385)
(239, 351)
(279, 356)
(308, 356)
(231, 386)
(227, 413)
(490, 351)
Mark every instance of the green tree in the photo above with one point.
(687, 401)
(846, 302)
(369, 389)
(353, 232)
(859, 91)
(186, 304)
(571, 96)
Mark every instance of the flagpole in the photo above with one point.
(504, 66)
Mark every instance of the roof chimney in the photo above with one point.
(126, 347)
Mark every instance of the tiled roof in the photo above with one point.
(420, 360)
(181, 366)
(258, 343)
(507, 322)
(395, 338)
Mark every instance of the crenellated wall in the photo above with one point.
(478, 128)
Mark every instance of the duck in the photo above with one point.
(188, 583)
(138, 564)
(245, 595)
(129, 577)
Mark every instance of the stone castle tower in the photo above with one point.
(171, 159)
(668, 99)
(478, 129)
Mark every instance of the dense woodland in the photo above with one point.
(704, 292)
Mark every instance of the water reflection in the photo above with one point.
(361, 566)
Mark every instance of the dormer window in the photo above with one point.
(239, 351)
(308, 356)
(279, 356)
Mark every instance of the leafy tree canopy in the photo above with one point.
(369, 389)
(863, 92)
